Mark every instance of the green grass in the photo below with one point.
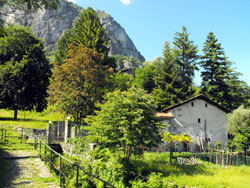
(206, 175)
(29, 119)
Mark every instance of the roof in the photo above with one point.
(163, 115)
(198, 97)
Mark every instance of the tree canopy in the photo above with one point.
(24, 71)
(78, 83)
(88, 31)
(220, 82)
(126, 122)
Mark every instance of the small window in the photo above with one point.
(199, 120)
(192, 103)
(206, 105)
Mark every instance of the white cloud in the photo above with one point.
(126, 2)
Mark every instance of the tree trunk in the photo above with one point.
(15, 114)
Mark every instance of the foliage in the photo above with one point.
(144, 77)
(119, 58)
(219, 81)
(88, 31)
(24, 71)
(120, 81)
(169, 88)
(126, 122)
(237, 119)
(168, 138)
(79, 82)
(77, 146)
(186, 53)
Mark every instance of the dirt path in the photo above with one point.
(26, 170)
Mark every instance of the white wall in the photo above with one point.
(186, 120)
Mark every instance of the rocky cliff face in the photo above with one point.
(50, 25)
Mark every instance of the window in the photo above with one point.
(199, 120)
(192, 103)
(206, 105)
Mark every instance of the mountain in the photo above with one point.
(50, 25)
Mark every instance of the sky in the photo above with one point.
(149, 23)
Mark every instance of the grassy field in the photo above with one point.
(29, 119)
(206, 175)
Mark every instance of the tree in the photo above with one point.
(169, 88)
(144, 77)
(78, 83)
(218, 78)
(239, 128)
(237, 119)
(88, 31)
(187, 57)
(24, 71)
(126, 122)
(170, 140)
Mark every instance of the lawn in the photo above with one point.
(207, 175)
(30, 119)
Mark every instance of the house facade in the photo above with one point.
(200, 118)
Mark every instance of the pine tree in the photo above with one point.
(169, 89)
(187, 58)
(216, 71)
(88, 31)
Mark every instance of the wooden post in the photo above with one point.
(40, 149)
(22, 136)
(60, 172)
(49, 135)
(77, 175)
(45, 153)
(2, 135)
(50, 160)
(5, 135)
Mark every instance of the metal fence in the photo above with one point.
(225, 158)
(65, 168)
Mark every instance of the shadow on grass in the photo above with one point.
(144, 168)
(21, 119)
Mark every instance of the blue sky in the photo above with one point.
(149, 23)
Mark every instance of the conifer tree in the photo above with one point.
(88, 31)
(187, 57)
(216, 71)
(169, 89)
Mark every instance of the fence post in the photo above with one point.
(50, 160)
(2, 135)
(77, 175)
(45, 153)
(40, 149)
(5, 135)
(22, 136)
(60, 172)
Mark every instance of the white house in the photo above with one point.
(200, 118)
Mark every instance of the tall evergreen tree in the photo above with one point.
(187, 57)
(216, 71)
(169, 87)
(88, 31)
